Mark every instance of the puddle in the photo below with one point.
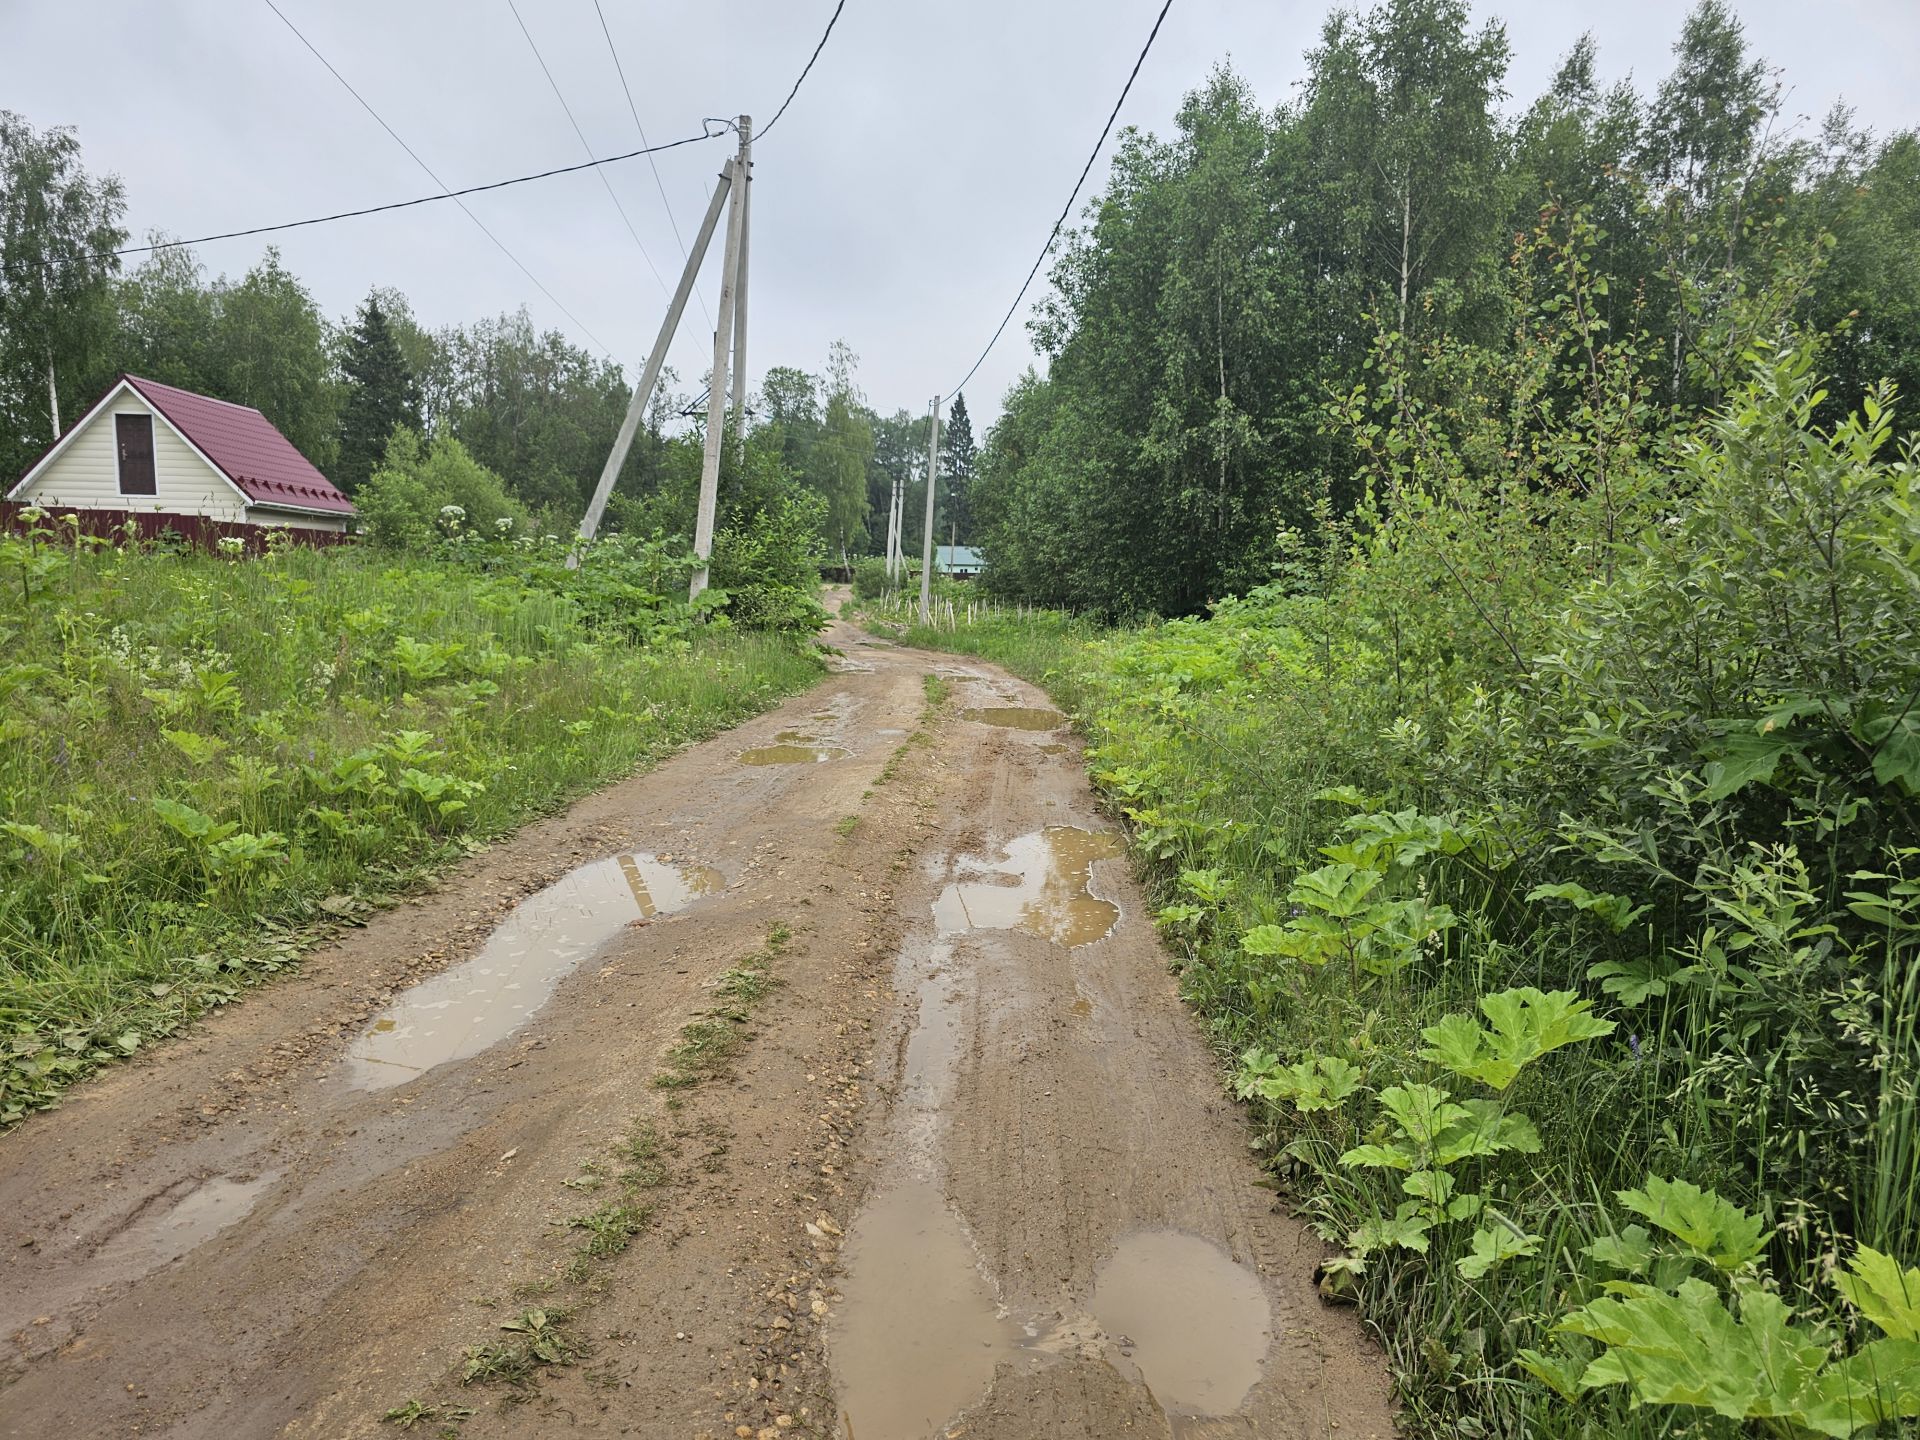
(1049, 897)
(480, 1001)
(206, 1210)
(919, 1332)
(791, 747)
(1195, 1324)
(1016, 717)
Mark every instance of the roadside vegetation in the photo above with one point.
(1543, 859)
(1514, 700)
(209, 761)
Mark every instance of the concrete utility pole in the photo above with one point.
(657, 357)
(717, 388)
(926, 534)
(740, 280)
(893, 530)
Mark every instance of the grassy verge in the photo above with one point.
(208, 763)
(1512, 1102)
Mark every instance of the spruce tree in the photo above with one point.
(381, 393)
(958, 461)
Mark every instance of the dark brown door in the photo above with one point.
(135, 436)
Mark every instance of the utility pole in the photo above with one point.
(657, 357)
(740, 279)
(717, 389)
(893, 528)
(926, 533)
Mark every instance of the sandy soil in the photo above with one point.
(967, 1176)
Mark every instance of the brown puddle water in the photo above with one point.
(206, 1210)
(918, 1333)
(1191, 1321)
(1016, 717)
(1049, 896)
(462, 1011)
(791, 747)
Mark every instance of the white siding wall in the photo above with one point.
(86, 476)
(261, 516)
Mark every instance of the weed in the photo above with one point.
(846, 825)
(937, 690)
(416, 1412)
(709, 1043)
(610, 1229)
(538, 1339)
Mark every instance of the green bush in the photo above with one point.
(425, 490)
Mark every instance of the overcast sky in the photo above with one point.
(897, 206)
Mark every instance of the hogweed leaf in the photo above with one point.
(1630, 1252)
(1493, 1246)
(1715, 1229)
(1879, 1289)
(1423, 1112)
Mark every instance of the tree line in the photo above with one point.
(497, 416)
(1238, 280)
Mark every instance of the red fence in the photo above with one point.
(197, 531)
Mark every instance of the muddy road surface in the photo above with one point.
(827, 1080)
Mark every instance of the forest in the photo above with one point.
(1242, 279)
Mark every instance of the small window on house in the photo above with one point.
(134, 436)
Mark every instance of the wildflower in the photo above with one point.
(1633, 1044)
(504, 525)
(232, 546)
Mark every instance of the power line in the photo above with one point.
(608, 184)
(437, 180)
(652, 164)
(417, 200)
(1067, 209)
(804, 72)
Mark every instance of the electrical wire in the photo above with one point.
(407, 204)
(438, 181)
(1067, 209)
(608, 184)
(652, 164)
(765, 129)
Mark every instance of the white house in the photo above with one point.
(170, 459)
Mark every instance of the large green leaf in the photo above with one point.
(1879, 1289)
(1749, 755)
(1339, 890)
(1494, 1245)
(1716, 1229)
(1423, 1112)
(1527, 1023)
(1686, 1348)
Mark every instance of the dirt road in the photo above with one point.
(827, 1080)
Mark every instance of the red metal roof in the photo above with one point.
(247, 449)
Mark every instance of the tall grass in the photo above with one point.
(203, 758)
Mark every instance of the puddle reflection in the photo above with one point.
(204, 1212)
(477, 1003)
(792, 747)
(1049, 896)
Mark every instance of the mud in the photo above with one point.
(1016, 717)
(991, 1162)
(793, 747)
(175, 1228)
